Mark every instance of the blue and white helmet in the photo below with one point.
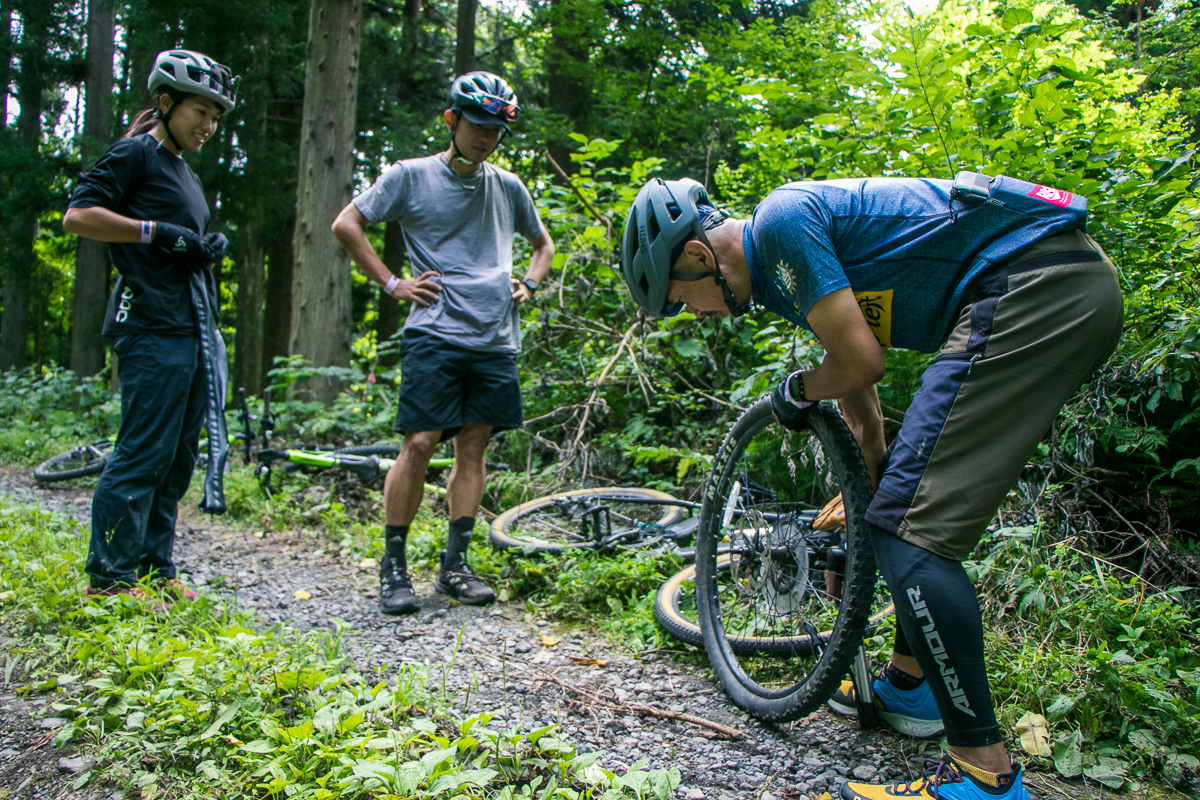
(194, 73)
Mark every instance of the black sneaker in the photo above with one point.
(396, 595)
(460, 583)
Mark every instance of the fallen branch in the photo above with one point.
(603, 220)
(596, 701)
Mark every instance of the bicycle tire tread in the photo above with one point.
(809, 692)
(668, 613)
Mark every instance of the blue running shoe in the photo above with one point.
(913, 713)
(947, 779)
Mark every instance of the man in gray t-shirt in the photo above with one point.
(458, 352)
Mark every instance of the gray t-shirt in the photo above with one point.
(461, 227)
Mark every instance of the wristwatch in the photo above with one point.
(530, 284)
(796, 381)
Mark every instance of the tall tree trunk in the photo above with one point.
(388, 321)
(569, 88)
(277, 319)
(91, 259)
(24, 202)
(464, 48)
(248, 347)
(5, 58)
(321, 294)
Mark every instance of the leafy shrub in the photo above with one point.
(1109, 660)
(193, 702)
(48, 410)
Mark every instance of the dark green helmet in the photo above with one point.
(663, 216)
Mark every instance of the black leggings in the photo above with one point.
(939, 622)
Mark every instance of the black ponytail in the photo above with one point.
(145, 120)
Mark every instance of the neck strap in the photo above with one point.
(735, 308)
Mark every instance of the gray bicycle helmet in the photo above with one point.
(663, 216)
(194, 73)
(484, 99)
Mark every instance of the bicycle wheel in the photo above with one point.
(803, 596)
(675, 612)
(567, 520)
(76, 463)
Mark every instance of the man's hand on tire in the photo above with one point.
(788, 403)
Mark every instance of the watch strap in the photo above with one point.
(795, 388)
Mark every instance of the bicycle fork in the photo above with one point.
(864, 695)
(860, 671)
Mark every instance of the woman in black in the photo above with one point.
(145, 200)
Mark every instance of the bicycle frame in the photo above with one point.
(595, 524)
(366, 468)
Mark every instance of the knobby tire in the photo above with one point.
(804, 596)
(554, 523)
(675, 612)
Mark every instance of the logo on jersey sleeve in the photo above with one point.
(1051, 195)
(876, 308)
(785, 280)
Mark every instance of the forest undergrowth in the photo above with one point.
(1094, 655)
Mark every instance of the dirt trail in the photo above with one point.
(628, 707)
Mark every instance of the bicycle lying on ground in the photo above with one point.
(784, 579)
(78, 462)
(369, 463)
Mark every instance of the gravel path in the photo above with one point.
(603, 698)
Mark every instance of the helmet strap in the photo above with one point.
(735, 308)
(165, 118)
(457, 154)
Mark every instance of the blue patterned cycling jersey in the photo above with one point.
(899, 244)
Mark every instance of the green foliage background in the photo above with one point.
(745, 97)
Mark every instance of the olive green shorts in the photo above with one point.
(1035, 328)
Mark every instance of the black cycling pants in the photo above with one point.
(939, 617)
(136, 501)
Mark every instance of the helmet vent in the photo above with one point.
(652, 229)
(673, 210)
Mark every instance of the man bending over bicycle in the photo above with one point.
(458, 351)
(996, 275)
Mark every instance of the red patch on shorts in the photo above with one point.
(1051, 195)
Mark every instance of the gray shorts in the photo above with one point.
(444, 386)
(1035, 328)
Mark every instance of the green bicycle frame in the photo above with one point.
(365, 467)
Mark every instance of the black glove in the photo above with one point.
(788, 404)
(188, 246)
(215, 245)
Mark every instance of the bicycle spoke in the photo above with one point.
(626, 518)
(790, 604)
